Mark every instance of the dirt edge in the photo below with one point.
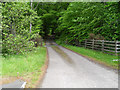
(44, 70)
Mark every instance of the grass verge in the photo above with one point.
(102, 58)
(27, 67)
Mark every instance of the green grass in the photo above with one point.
(96, 55)
(24, 64)
(0, 66)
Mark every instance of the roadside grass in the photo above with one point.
(0, 68)
(96, 55)
(27, 66)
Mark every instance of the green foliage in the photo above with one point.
(68, 22)
(24, 64)
(17, 17)
(37, 26)
(37, 39)
(82, 18)
(16, 45)
(50, 12)
(16, 34)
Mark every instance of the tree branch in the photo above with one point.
(36, 5)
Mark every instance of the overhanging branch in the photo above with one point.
(36, 5)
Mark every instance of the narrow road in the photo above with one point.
(70, 70)
(16, 84)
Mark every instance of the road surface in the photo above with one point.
(67, 69)
(16, 84)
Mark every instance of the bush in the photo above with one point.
(37, 39)
(96, 37)
(16, 44)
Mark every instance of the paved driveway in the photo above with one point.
(16, 84)
(69, 70)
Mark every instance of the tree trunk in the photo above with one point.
(30, 21)
(30, 26)
(34, 9)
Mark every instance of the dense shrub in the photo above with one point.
(37, 39)
(96, 37)
(19, 23)
(82, 18)
(16, 44)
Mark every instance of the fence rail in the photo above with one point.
(110, 47)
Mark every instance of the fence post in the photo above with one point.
(85, 43)
(79, 43)
(102, 45)
(116, 47)
(93, 44)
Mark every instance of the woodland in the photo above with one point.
(26, 24)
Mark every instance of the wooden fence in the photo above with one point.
(110, 47)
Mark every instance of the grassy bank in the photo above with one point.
(95, 55)
(27, 66)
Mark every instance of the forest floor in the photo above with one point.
(67, 69)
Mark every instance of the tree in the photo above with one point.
(16, 18)
(82, 18)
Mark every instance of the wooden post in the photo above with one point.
(102, 45)
(76, 43)
(79, 43)
(116, 47)
(85, 43)
(93, 44)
